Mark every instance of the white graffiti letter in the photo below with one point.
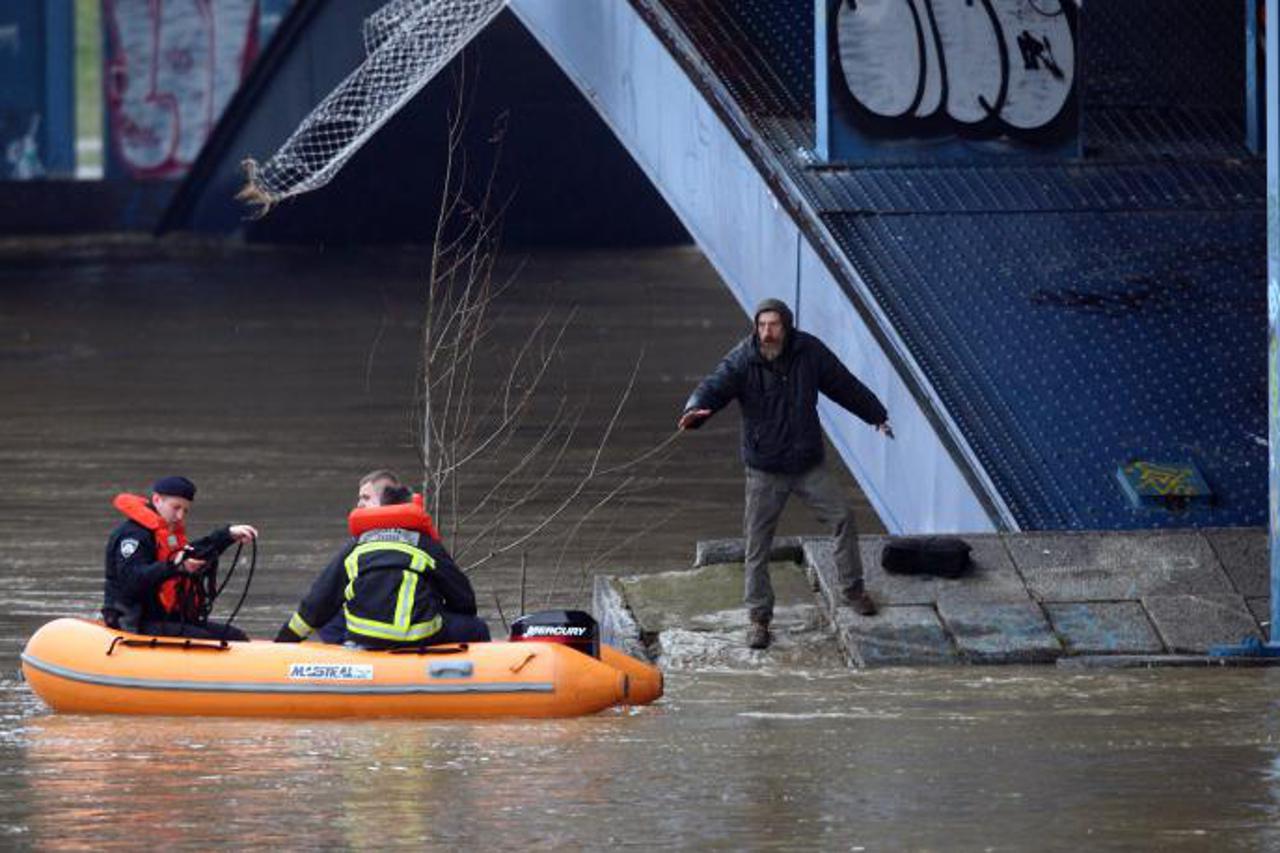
(976, 63)
(1006, 65)
(881, 53)
(1042, 60)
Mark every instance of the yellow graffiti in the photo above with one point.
(1163, 479)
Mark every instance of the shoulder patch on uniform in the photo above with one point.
(127, 547)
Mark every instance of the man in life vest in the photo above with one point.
(156, 582)
(395, 586)
(368, 493)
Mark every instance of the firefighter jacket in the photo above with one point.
(392, 585)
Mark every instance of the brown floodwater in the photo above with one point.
(274, 378)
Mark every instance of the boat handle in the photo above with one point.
(450, 669)
(429, 650)
(157, 642)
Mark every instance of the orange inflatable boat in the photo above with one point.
(79, 666)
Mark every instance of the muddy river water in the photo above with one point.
(274, 378)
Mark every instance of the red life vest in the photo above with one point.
(180, 595)
(410, 516)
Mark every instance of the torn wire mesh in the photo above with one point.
(407, 42)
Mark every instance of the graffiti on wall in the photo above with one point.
(171, 67)
(17, 129)
(10, 39)
(23, 153)
(24, 95)
(982, 69)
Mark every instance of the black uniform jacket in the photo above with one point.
(133, 572)
(779, 399)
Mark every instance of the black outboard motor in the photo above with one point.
(573, 628)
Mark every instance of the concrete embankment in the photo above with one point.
(1116, 598)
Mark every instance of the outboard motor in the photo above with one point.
(573, 628)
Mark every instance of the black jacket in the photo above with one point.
(779, 399)
(133, 572)
(444, 588)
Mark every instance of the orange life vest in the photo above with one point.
(169, 540)
(410, 516)
(179, 595)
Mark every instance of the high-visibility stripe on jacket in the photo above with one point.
(388, 596)
(299, 626)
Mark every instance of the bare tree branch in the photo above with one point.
(505, 426)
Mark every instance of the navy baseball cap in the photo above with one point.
(177, 487)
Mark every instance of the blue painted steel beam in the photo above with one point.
(59, 95)
(1254, 86)
(1273, 299)
(1253, 648)
(821, 84)
(36, 100)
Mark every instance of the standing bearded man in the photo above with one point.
(776, 375)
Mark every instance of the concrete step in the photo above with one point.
(1128, 598)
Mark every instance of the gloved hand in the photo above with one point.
(286, 635)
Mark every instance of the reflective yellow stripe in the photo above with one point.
(418, 561)
(401, 629)
(299, 626)
(386, 631)
(419, 558)
(404, 601)
(352, 564)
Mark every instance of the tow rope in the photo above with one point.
(248, 582)
(214, 594)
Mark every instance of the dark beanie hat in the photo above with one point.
(392, 495)
(771, 304)
(177, 487)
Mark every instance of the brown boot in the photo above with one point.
(758, 635)
(856, 597)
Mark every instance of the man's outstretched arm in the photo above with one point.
(835, 380)
(713, 393)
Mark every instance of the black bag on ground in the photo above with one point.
(945, 556)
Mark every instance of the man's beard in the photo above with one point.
(770, 352)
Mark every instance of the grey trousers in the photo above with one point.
(765, 499)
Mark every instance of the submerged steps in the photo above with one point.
(1114, 598)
